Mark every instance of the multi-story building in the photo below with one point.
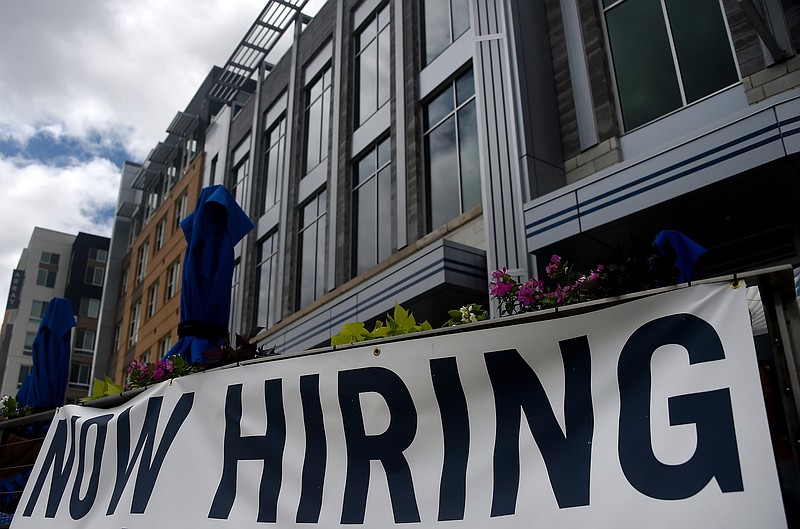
(401, 150)
(54, 265)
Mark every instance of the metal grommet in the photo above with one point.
(376, 351)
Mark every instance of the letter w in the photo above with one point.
(149, 466)
(55, 458)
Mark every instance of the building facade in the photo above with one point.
(54, 265)
(401, 150)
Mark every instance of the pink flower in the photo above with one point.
(527, 293)
(562, 293)
(500, 288)
(500, 273)
(158, 374)
(168, 364)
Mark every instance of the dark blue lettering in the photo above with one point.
(78, 508)
(566, 456)
(717, 453)
(268, 448)
(386, 447)
(55, 459)
(149, 466)
(316, 451)
(455, 427)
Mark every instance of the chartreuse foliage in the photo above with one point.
(401, 322)
(103, 388)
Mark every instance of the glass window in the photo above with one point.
(180, 209)
(164, 345)
(98, 254)
(46, 278)
(451, 152)
(152, 299)
(667, 54)
(173, 279)
(49, 258)
(443, 22)
(238, 184)
(27, 349)
(311, 283)
(235, 311)
(117, 334)
(80, 375)
(90, 307)
(141, 261)
(133, 334)
(37, 310)
(372, 206)
(274, 149)
(266, 278)
(317, 121)
(94, 276)
(161, 231)
(84, 342)
(372, 65)
(24, 371)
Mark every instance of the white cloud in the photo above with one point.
(64, 199)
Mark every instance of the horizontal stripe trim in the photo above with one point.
(381, 296)
(580, 212)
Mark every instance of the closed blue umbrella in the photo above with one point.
(211, 231)
(46, 385)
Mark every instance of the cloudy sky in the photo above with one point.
(86, 85)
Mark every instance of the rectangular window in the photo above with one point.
(180, 209)
(173, 279)
(141, 261)
(311, 258)
(372, 207)
(317, 121)
(688, 54)
(372, 65)
(235, 311)
(274, 149)
(452, 168)
(443, 22)
(133, 334)
(24, 371)
(37, 310)
(117, 335)
(90, 307)
(98, 254)
(266, 277)
(49, 258)
(94, 276)
(46, 278)
(84, 342)
(124, 281)
(80, 375)
(164, 345)
(239, 179)
(161, 231)
(152, 300)
(27, 349)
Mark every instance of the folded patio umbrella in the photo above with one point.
(46, 385)
(211, 231)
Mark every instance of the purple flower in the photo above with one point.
(158, 374)
(562, 293)
(500, 273)
(527, 293)
(168, 364)
(500, 288)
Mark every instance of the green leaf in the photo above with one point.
(401, 315)
(425, 326)
(111, 388)
(351, 332)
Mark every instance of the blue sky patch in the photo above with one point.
(61, 151)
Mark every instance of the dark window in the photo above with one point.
(89, 307)
(46, 278)
(372, 65)
(28, 347)
(274, 147)
(317, 121)
(94, 276)
(311, 256)
(667, 54)
(98, 254)
(23, 374)
(443, 22)
(266, 277)
(80, 375)
(37, 310)
(239, 179)
(372, 206)
(451, 152)
(84, 342)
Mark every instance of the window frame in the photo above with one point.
(381, 37)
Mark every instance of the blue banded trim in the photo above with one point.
(578, 208)
(682, 174)
(382, 295)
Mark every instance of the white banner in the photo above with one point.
(647, 414)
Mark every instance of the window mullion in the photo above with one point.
(674, 52)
